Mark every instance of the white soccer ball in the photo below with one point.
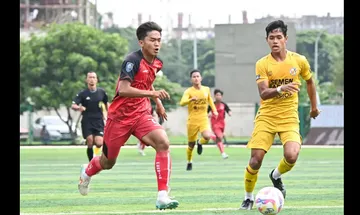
(269, 200)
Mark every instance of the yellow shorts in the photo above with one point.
(264, 133)
(194, 129)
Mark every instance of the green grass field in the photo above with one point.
(176, 140)
(49, 177)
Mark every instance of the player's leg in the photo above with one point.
(115, 136)
(152, 133)
(218, 131)
(141, 146)
(292, 145)
(98, 133)
(206, 135)
(259, 144)
(87, 135)
(192, 133)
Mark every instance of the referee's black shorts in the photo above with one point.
(93, 127)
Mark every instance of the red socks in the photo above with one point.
(220, 146)
(163, 169)
(93, 167)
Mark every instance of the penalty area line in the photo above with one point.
(177, 211)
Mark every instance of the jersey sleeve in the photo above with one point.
(185, 99)
(78, 98)
(105, 98)
(227, 109)
(210, 101)
(209, 109)
(305, 68)
(129, 68)
(260, 71)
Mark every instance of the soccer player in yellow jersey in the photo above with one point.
(278, 79)
(197, 98)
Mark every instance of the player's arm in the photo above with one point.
(211, 103)
(156, 100)
(227, 109)
(127, 75)
(310, 86)
(185, 99)
(160, 110)
(263, 84)
(106, 105)
(77, 101)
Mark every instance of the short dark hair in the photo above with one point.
(216, 91)
(275, 25)
(145, 28)
(193, 71)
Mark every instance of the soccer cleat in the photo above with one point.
(278, 183)
(199, 147)
(83, 185)
(189, 167)
(141, 151)
(247, 204)
(224, 155)
(166, 203)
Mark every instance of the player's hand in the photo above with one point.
(291, 87)
(210, 115)
(216, 114)
(314, 113)
(193, 98)
(161, 94)
(160, 110)
(82, 108)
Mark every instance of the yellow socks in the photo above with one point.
(282, 168)
(203, 141)
(189, 154)
(250, 178)
(97, 151)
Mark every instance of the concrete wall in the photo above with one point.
(237, 48)
(240, 124)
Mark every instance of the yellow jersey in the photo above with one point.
(283, 107)
(198, 109)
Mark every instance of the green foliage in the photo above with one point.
(53, 67)
(174, 89)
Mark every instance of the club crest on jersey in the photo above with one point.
(129, 67)
(293, 71)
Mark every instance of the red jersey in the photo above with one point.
(141, 74)
(221, 108)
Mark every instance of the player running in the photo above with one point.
(278, 79)
(218, 122)
(197, 98)
(129, 114)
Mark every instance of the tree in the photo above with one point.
(128, 33)
(53, 67)
(174, 89)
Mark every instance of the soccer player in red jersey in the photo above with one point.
(218, 123)
(129, 114)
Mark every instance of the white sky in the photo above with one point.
(125, 11)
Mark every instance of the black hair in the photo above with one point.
(275, 25)
(216, 91)
(193, 71)
(145, 28)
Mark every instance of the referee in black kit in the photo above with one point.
(90, 102)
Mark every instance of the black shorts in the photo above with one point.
(93, 127)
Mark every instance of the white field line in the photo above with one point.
(176, 211)
(174, 146)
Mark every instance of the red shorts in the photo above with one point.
(218, 130)
(117, 133)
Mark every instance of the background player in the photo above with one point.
(197, 98)
(129, 114)
(278, 79)
(90, 103)
(218, 122)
